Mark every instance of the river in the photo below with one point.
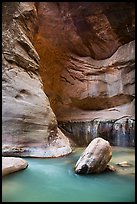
(54, 180)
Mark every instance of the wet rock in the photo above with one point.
(12, 164)
(118, 132)
(95, 158)
(57, 145)
(124, 164)
(110, 168)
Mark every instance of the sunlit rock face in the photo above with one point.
(87, 53)
(27, 118)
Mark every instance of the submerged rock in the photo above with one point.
(95, 158)
(124, 164)
(110, 168)
(12, 164)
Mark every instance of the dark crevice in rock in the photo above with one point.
(126, 13)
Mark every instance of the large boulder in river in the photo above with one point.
(12, 164)
(95, 157)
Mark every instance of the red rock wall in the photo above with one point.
(87, 58)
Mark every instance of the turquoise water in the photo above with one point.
(54, 180)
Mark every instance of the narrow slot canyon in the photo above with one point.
(69, 66)
(68, 101)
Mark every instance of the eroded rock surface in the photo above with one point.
(95, 158)
(12, 164)
(27, 118)
(56, 145)
(88, 63)
(119, 132)
(81, 54)
(87, 53)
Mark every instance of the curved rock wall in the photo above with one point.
(27, 118)
(85, 65)
(87, 52)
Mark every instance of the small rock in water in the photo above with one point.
(13, 164)
(110, 168)
(124, 164)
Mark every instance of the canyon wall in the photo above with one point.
(75, 58)
(87, 52)
(29, 126)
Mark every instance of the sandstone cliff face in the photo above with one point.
(87, 53)
(87, 58)
(86, 62)
(27, 118)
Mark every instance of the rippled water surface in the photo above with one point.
(54, 180)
